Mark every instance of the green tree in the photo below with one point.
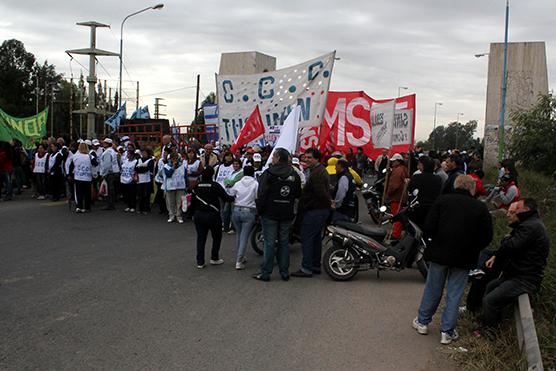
(454, 135)
(532, 139)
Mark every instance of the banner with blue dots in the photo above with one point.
(276, 93)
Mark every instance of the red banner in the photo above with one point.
(348, 123)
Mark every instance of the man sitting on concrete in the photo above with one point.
(521, 257)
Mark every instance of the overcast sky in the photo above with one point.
(426, 45)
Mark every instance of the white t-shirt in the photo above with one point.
(40, 164)
(245, 191)
(128, 170)
(82, 167)
(223, 172)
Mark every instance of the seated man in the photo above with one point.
(521, 257)
(505, 193)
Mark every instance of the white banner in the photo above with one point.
(276, 93)
(382, 121)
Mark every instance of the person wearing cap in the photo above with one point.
(344, 200)
(110, 171)
(257, 164)
(381, 163)
(297, 167)
(174, 173)
(395, 189)
(128, 183)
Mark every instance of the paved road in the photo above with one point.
(108, 290)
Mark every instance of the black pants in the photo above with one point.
(111, 181)
(144, 190)
(205, 221)
(130, 194)
(500, 293)
(83, 194)
(159, 199)
(56, 183)
(40, 179)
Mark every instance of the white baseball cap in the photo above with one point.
(295, 161)
(257, 157)
(396, 157)
(107, 140)
(95, 142)
(88, 142)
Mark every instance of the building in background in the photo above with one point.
(246, 63)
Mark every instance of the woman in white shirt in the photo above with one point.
(244, 212)
(175, 175)
(39, 170)
(81, 168)
(127, 181)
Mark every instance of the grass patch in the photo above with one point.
(502, 353)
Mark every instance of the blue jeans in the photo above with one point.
(436, 280)
(226, 215)
(276, 231)
(311, 238)
(243, 219)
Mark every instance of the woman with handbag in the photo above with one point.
(205, 205)
(175, 182)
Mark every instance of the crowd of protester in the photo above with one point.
(229, 192)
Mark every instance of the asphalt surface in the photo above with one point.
(110, 290)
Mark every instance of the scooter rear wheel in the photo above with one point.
(339, 263)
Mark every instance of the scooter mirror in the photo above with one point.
(383, 209)
(415, 192)
(366, 185)
(383, 171)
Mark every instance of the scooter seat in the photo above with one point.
(373, 232)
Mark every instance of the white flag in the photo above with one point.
(288, 134)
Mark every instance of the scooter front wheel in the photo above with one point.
(339, 263)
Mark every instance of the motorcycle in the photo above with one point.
(373, 198)
(357, 247)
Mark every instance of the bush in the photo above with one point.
(502, 353)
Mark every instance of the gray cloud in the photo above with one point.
(426, 45)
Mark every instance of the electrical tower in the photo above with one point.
(157, 106)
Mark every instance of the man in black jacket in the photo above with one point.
(429, 186)
(344, 199)
(315, 203)
(279, 186)
(460, 227)
(522, 257)
(454, 163)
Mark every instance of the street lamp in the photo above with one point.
(400, 88)
(501, 134)
(436, 104)
(457, 127)
(155, 7)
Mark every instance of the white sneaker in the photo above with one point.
(126, 209)
(170, 220)
(131, 210)
(40, 198)
(240, 266)
(77, 210)
(180, 220)
(200, 266)
(231, 231)
(216, 262)
(446, 338)
(422, 329)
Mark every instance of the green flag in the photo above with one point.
(25, 129)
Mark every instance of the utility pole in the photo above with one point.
(92, 52)
(137, 97)
(157, 106)
(71, 108)
(52, 112)
(501, 130)
(37, 97)
(197, 97)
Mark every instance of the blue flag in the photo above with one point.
(141, 113)
(116, 118)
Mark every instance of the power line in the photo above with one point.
(101, 66)
(168, 91)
